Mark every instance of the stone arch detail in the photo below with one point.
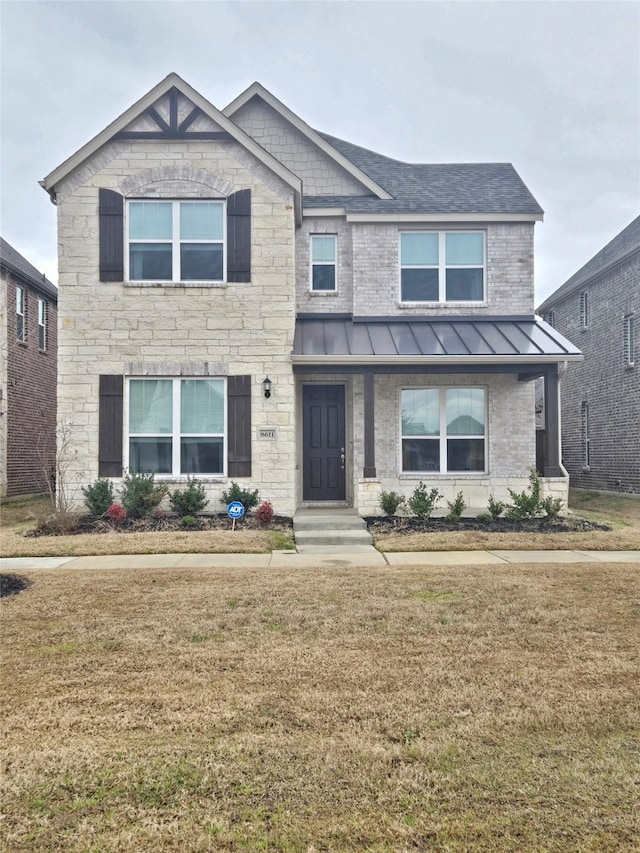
(179, 179)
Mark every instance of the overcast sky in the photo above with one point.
(552, 87)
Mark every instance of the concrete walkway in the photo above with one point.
(337, 558)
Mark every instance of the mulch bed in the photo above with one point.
(158, 523)
(379, 525)
(12, 584)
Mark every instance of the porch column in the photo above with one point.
(552, 422)
(369, 430)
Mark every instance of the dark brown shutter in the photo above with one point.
(239, 236)
(110, 208)
(239, 416)
(110, 427)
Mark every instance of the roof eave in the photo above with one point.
(460, 360)
(444, 217)
(257, 89)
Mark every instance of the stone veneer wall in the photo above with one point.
(240, 328)
(339, 301)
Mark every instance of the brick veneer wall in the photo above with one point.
(604, 381)
(31, 394)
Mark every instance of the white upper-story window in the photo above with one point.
(42, 324)
(21, 326)
(176, 240)
(442, 266)
(323, 262)
(443, 430)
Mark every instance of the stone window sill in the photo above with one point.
(323, 293)
(209, 285)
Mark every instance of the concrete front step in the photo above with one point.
(330, 528)
(332, 537)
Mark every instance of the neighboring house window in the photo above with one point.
(323, 262)
(176, 426)
(550, 318)
(42, 324)
(629, 341)
(176, 240)
(584, 310)
(586, 452)
(442, 266)
(21, 326)
(443, 429)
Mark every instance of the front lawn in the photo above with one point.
(446, 709)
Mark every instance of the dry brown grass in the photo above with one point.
(448, 709)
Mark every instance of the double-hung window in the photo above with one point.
(445, 266)
(176, 240)
(42, 324)
(176, 426)
(629, 341)
(443, 429)
(323, 262)
(21, 326)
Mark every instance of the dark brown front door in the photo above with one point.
(323, 464)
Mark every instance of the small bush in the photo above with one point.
(140, 494)
(190, 500)
(496, 508)
(451, 518)
(117, 514)
(390, 502)
(98, 496)
(264, 513)
(189, 521)
(456, 507)
(247, 498)
(525, 504)
(486, 516)
(551, 507)
(422, 503)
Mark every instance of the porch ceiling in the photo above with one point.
(326, 339)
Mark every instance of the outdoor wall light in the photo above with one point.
(266, 384)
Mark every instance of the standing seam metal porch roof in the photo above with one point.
(458, 339)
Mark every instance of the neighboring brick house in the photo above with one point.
(599, 307)
(245, 298)
(28, 353)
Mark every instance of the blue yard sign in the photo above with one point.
(235, 510)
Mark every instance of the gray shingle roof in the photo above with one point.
(19, 266)
(479, 188)
(469, 339)
(622, 246)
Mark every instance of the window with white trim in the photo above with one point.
(584, 309)
(323, 262)
(586, 439)
(446, 266)
(443, 430)
(629, 341)
(176, 240)
(21, 311)
(176, 426)
(42, 324)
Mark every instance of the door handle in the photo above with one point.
(342, 458)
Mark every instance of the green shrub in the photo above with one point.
(525, 504)
(247, 498)
(551, 507)
(486, 516)
(190, 500)
(140, 494)
(422, 503)
(390, 502)
(98, 496)
(189, 521)
(496, 508)
(456, 507)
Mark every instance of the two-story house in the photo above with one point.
(245, 298)
(28, 345)
(599, 306)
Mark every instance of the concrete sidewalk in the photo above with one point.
(291, 559)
